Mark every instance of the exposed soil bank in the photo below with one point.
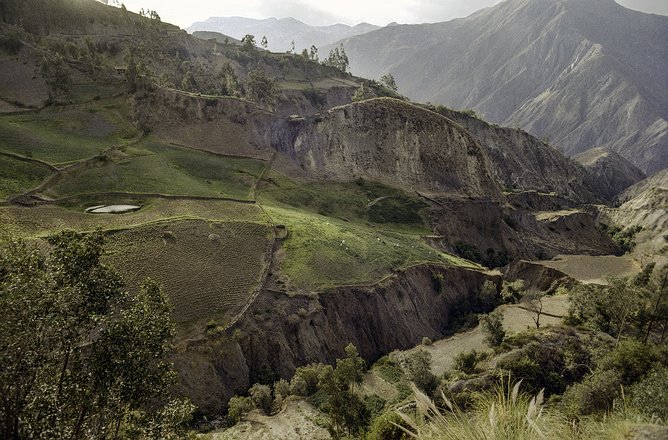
(279, 333)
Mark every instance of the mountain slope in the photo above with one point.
(281, 33)
(584, 74)
(612, 171)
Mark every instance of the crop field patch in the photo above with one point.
(152, 167)
(17, 176)
(47, 219)
(594, 269)
(323, 252)
(64, 135)
(208, 270)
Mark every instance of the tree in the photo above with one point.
(81, 357)
(360, 94)
(534, 303)
(343, 405)
(260, 88)
(264, 43)
(337, 59)
(388, 82)
(238, 407)
(292, 47)
(418, 369)
(492, 328)
(313, 53)
(248, 42)
(466, 361)
(55, 72)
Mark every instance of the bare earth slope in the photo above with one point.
(586, 74)
(612, 171)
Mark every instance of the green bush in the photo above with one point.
(385, 427)
(466, 361)
(596, 394)
(261, 397)
(418, 369)
(282, 388)
(492, 328)
(631, 359)
(238, 407)
(650, 395)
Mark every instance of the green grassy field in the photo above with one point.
(358, 201)
(153, 167)
(225, 263)
(324, 252)
(62, 135)
(17, 176)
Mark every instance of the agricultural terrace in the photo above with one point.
(47, 219)
(64, 135)
(322, 252)
(210, 270)
(150, 166)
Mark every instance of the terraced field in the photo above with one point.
(62, 135)
(17, 176)
(46, 219)
(208, 269)
(151, 166)
(322, 252)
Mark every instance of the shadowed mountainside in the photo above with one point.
(584, 74)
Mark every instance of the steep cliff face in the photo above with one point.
(585, 73)
(280, 333)
(520, 162)
(390, 140)
(612, 171)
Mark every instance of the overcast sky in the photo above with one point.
(315, 12)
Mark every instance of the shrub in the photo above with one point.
(466, 361)
(427, 341)
(511, 292)
(238, 407)
(631, 359)
(650, 395)
(385, 427)
(282, 388)
(305, 381)
(492, 328)
(261, 397)
(488, 294)
(595, 394)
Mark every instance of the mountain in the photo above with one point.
(611, 170)
(583, 74)
(220, 38)
(282, 32)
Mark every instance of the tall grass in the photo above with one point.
(506, 413)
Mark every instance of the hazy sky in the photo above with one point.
(316, 12)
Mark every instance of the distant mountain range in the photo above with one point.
(581, 74)
(281, 33)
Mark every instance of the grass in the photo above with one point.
(360, 201)
(47, 219)
(324, 252)
(508, 413)
(63, 135)
(17, 176)
(225, 262)
(152, 167)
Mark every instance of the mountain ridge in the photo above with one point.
(584, 75)
(280, 32)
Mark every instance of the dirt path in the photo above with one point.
(297, 421)
(515, 319)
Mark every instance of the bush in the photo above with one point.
(511, 292)
(238, 407)
(595, 394)
(427, 341)
(492, 328)
(631, 359)
(305, 381)
(385, 427)
(488, 294)
(466, 361)
(650, 395)
(282, 388)
(261, 397)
